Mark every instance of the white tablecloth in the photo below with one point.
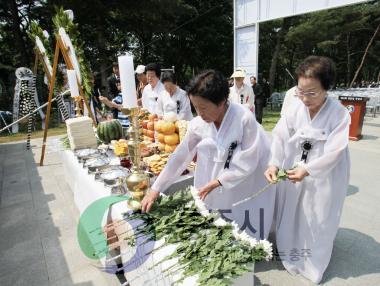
(86, 190)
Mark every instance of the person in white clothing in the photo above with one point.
(311, 142)
(173, 99)
(232, 153)
(240, 92)
(152, 91)
(289, 99)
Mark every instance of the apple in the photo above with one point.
(150, 126)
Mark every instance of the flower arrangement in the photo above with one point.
(37, 35)
(63, 20)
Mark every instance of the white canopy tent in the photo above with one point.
(249, 13)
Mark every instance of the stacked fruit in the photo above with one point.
(167, 137)
(148, 127)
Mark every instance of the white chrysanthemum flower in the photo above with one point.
(205, 213)
(235, 230)
(220, 222)
(267, 246)
(200, 205)
(194, 192)
(244, 236)
(252, 241)
(46, 34)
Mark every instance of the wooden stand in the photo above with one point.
(59, 48)
(356, 105)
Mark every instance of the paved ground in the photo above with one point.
(38, 244)
(38, 221)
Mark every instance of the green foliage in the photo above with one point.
(36, 30)
(341, 34)
(202, 248)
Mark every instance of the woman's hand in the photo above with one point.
(148, 200)
(297, 174)
(204, 191)
(271, 174)
(103, 99)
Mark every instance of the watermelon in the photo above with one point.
(109, 130)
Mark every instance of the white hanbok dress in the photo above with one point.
(243, 95)
(308, 212)
(150, 97)
(179, 103)
(241, 179)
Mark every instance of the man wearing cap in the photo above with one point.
(241, 92)
(143, 81)
(152, 91)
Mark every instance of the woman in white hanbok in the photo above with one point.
(173, 99)
(311, 141)
(232, 154)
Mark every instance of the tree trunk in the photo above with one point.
(273, 67)
(348, 75)
(102, 52)
(365, 55)
(19, 40)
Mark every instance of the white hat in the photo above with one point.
(140, 69)
(238, 73)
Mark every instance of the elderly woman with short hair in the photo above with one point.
(311, 141)
(232, 153)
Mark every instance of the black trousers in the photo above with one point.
(259, 112)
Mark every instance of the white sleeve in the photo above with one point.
(160, 105)
(245, 157)
(280, 135)
(251, 99)
(335, 146)
(185, 112)
(178, 161)
(144, 99)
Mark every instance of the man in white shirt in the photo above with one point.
(153, 89)
(173, 99)
(240, 92)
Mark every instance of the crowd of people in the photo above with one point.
(235, 159)
(158, 93)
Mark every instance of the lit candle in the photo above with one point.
(127, 81)
(72, 79)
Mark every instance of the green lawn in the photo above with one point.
(5, 137)
(270, 119)
(269, 122)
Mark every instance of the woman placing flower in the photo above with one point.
(232, 152)
(311, 140)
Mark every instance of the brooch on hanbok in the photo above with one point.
(306, 146)
(230, 153)
(178, 106)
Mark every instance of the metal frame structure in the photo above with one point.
(249, 13)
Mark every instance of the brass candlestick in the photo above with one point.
(138, 181)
